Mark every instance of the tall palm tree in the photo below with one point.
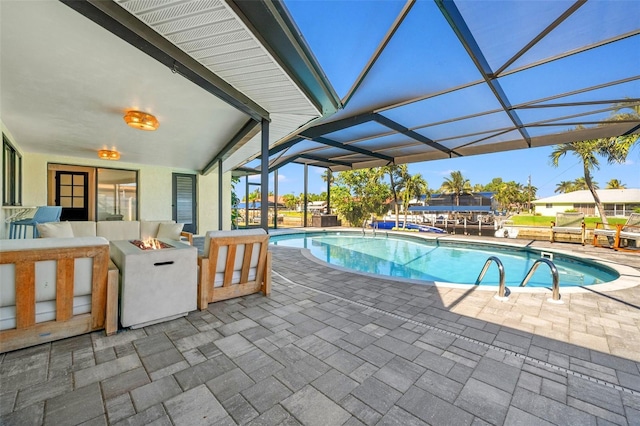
(564, 187)
(614, 149)
(457, 185)
(587, 152)
(615, 184)
(397, 175)
(414, 187)
(327, 175)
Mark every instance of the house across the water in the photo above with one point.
(616, 202)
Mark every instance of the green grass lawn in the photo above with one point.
(590, 222)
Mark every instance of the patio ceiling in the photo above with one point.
(70, 69)
(425, 80)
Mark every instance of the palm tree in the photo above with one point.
(414, 187)
(564, 187)
(615, 184)
(580, 184)
(254, 197)
(457, 185)
(614, 149)
(327, 175)
(397, 175)
(588, 152)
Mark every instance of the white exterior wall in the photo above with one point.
(542, 210)
(154, 188)
(208, 201)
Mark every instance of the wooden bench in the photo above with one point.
(568, 223)
(55, 288)
(234, 263)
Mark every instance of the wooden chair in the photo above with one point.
(620, 236)
(568, 223)
(55, 290)
(234, 264)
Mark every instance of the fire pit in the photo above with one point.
(158, 280)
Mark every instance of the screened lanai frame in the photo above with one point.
(518, 74)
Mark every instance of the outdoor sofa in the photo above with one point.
(114, 230)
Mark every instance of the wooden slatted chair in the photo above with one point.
(620, 236)
(568, 223)
(234, 263)
(628, 232)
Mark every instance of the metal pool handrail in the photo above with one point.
(373, 228)
(554, 274)
(502, 288)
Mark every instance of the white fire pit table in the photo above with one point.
(155, 284)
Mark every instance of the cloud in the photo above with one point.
(446, 172)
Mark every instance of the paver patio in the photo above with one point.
(332, 348)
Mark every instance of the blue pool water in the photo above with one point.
(429, 260)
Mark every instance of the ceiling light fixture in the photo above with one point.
(106, 154)
(141, 120)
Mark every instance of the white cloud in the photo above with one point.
(447, 172)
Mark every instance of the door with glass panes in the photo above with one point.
(72, 193)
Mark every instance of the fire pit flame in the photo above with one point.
(150, 244)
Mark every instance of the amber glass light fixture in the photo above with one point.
(106, 154)
(141, 120)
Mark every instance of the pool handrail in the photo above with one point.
(501, 288)
(554, 274)
(374, 226)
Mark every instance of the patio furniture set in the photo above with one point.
(85, 276)
(623, 237)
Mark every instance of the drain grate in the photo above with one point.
(471, 340)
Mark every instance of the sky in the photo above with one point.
(515, 165)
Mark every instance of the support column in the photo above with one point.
(275, 199)
(220, 194)
(246, 201)
(264, 177)
(329, 178)
(305, 200)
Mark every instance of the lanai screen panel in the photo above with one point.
(469, 77)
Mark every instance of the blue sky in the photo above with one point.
(511, 165)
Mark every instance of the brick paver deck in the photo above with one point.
(336, 348)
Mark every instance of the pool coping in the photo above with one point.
(629, 277)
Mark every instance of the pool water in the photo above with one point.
(429, 260)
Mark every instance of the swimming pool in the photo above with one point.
(442, 262)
